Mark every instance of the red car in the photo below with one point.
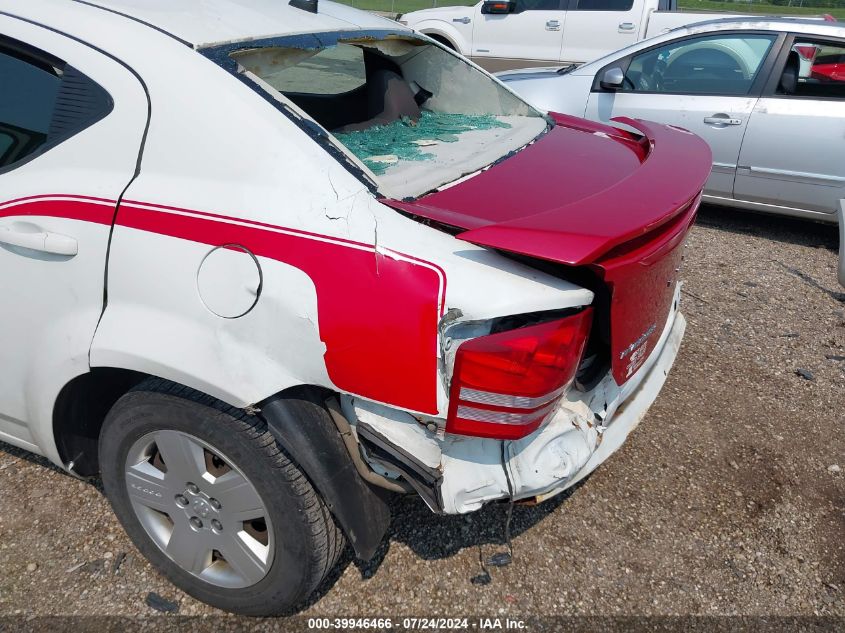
(829, 68)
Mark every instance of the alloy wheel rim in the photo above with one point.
(199, 508)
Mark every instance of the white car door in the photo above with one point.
(531, 32)
(598, 27)
(71, 127)
(707, 85)
(793, 154)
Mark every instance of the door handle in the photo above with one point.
(553, 25)
(626, 27)
(721, 120)
(464, 20)
(53, 243)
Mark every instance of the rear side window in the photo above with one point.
(28, 95)
(43, 101)
(720, 65)
(820, 70)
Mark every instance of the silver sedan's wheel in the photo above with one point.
(199, 508)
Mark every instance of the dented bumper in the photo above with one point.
(611, 433)
(464, 473)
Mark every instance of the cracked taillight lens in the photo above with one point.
(505, 385)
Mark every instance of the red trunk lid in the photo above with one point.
(587, 194)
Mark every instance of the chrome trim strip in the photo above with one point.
(762, 207)
(504, 400)
(501, 417)
(800, 176)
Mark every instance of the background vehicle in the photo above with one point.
(751, 88)
(230, 295)
(503, 34)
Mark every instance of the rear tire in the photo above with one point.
(252, 565)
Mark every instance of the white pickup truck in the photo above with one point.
(504, 34)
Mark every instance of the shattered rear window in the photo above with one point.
(404, 139)
(412, 114)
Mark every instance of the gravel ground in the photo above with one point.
(728, 499)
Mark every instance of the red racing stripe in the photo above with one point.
(378, 312)
(83, 208)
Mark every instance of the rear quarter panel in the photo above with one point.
(352, 291)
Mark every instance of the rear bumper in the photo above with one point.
(581, 435)
(460, 474)
(629, 412)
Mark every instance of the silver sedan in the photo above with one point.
(768, 95)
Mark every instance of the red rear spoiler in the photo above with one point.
(672, 174)
(588, 194)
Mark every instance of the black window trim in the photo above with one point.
(39, 58)
(572, 5)
(763, 75)
(770, 88)
(562, 5)
(12, 146)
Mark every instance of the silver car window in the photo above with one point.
(720, 64)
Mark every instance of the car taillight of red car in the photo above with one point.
(505, 385)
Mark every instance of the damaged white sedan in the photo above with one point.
(263, 263)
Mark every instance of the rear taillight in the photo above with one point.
(505, 385)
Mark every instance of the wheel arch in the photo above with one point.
(437, 37)
(446, 36)
(79, 411)
(360, 509)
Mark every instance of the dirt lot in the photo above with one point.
(728, 499)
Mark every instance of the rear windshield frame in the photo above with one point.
(222, 56)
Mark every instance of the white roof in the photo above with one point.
(203, 22)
